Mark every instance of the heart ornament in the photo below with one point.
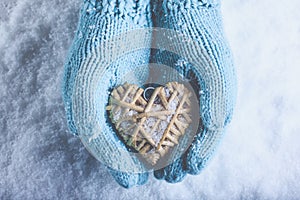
(151, 125)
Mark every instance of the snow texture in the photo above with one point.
(258, 158)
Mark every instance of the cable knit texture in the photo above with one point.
(103, 51)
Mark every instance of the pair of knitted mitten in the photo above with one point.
(113, 38)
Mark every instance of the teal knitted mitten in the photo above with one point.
(201, 22)
(94, 67)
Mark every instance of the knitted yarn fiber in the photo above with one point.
(98, 60)
(203, 24)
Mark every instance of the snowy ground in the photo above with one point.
(258, 158)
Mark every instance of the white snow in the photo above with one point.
(258, 158)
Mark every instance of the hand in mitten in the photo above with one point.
(200, 21)
(96, 63)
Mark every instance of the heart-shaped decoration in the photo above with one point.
(151, 125)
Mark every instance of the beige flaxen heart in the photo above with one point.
(151, 127)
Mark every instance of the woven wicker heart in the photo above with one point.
(151, 127)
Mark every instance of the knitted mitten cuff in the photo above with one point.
(187, 4)
(121, 8)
